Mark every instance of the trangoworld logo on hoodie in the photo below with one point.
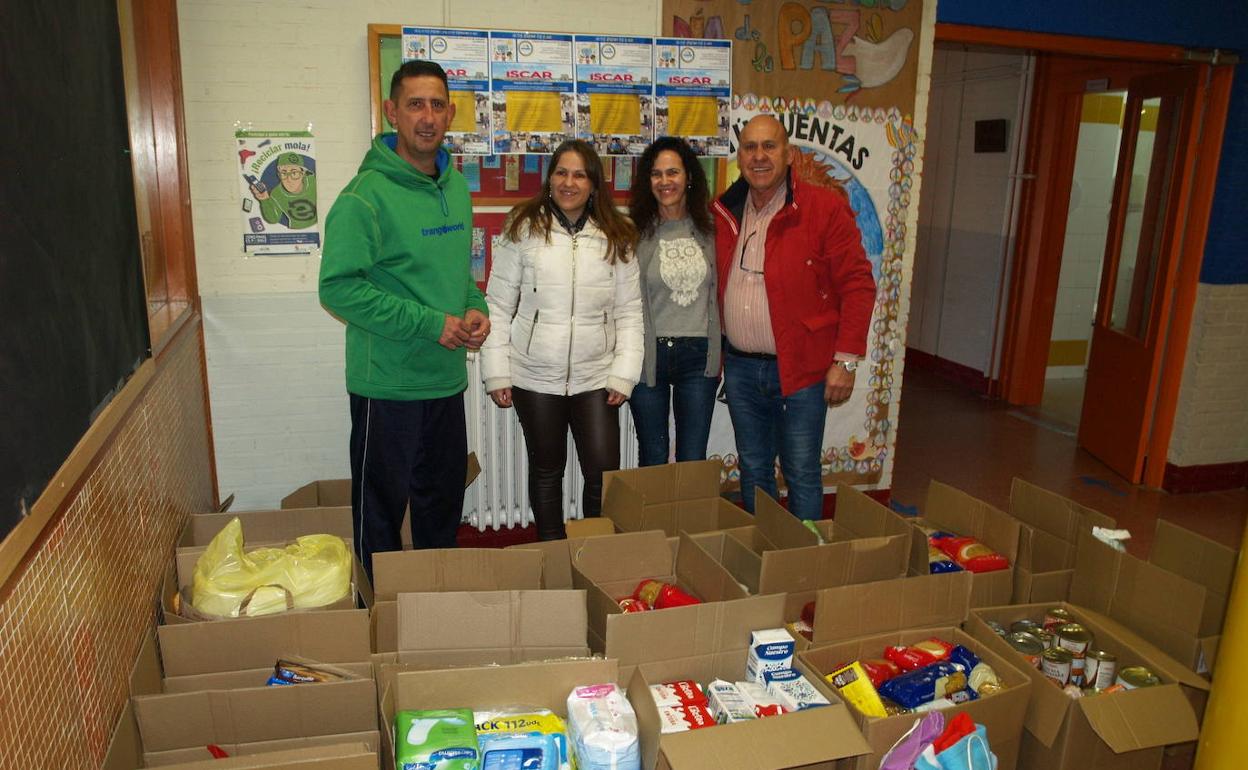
(442, 230)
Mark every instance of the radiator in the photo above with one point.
(500, 496)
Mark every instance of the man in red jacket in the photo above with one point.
(796, 294)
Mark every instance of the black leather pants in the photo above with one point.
(596, 432)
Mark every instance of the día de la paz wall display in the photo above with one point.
(842, 81)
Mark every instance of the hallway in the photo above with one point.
(948, 433)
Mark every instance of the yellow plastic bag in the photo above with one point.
(313, 571)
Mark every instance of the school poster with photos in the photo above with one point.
(842, 80)
(615, 93)
(693, 85)
(465, 55)
(277, 192)
(533, 96)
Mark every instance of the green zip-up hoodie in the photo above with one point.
(396, 262)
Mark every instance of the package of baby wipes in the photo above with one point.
(602, 729)
(440, 739)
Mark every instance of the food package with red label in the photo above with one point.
(660, 595)
(678, 719)
(971, 555)
(629, 604)
(764, 703)
(878, 670)
(919, 654)
(684, 692)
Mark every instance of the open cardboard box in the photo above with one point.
(1179, 616)
(178, 580)
(678, 497)
(859, 621)
(269, 527)
(778, 554)
(953, 510)
(212, 690)
(337, 492)
(813, 738)
(556, 554)
(337, 756)
(1048, 538)
(537, 685)
(1115, 730)
(439, 570)
(607, 568)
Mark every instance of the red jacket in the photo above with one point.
(819, 285)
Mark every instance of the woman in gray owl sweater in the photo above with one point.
(676, 255)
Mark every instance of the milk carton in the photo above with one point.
(771, 649)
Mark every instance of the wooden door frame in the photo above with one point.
(1043, 205)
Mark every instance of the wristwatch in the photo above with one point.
(849, 366)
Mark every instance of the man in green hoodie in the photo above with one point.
(396, 270)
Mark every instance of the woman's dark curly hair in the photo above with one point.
(643, 208)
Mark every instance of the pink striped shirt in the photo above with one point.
(747, 319)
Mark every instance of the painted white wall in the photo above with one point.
(275, 358)
(960, 260)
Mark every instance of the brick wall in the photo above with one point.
(1211, 424)
(72, 621)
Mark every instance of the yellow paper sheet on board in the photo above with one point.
(615, 113)
(692, 115)
(533, 111)
(465, 111)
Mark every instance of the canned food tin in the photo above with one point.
(1132, 677)
(996, 627)
(1028, 646)
(1055, 663)
(1100, 669)
(1074, 637)
(1025, 624)
(1046, 638)
(1055, 617)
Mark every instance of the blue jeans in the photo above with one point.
(766, 423)
(679, 381)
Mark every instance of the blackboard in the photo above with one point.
(73, 313)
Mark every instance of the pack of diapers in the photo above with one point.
(439, 739)
(602, 729)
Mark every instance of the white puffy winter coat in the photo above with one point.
(563, 319)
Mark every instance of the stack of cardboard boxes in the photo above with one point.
(477, 628)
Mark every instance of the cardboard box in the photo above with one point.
(556, 556)
(540, 685)
(1174, 613)
(859, 621)
(179, 578)
(1206, 563)
(484, 627)
(442, 570)
(177, 720)
(679, 497)
(337, 492)
(337, 756)
(778, 554)
(1048, 538)
(607, 568)
(125, 747)
(955, 511)
(813, 738)
(1118, 730)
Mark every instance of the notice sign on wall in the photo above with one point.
(693, 91)
(615, 93)
(533, 100)
(277, 185)
(465, 55)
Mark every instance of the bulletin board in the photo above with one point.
(385, 55)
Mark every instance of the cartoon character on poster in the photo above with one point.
(292, 202)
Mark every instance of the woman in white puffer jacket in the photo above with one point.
(566, 339)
